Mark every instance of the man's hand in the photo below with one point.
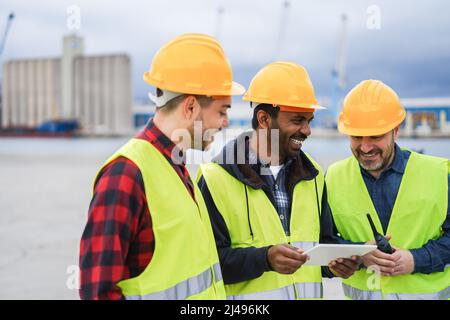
(404, 262)
(345, 268)
(286, 259)
(383, 261)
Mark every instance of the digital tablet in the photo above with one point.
(322, 254)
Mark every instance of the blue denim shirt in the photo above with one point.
(435, 254)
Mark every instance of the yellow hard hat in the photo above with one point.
(370, 109)
(193, 64)
(283, 84)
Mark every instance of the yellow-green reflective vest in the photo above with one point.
(232, 199)
(185, 264)
(419, 211)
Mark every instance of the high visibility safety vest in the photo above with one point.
(252, 221)
(185, 264)
(419, 211)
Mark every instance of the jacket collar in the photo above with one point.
(241, 162)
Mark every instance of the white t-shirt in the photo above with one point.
(275, 170)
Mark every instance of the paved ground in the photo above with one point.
(44, 196)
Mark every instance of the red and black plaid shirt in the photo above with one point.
(118, 241)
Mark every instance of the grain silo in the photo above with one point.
(93, 90)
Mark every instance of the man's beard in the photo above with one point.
(200, 140)
(285, 140)
(379, 165)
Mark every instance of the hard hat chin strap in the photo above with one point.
(164, 98)
(255, 104)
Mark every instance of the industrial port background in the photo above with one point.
(46, 182)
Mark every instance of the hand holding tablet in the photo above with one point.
(323, 254)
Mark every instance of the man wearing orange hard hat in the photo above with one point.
(405, 193)
(265, 195)
(148, 234)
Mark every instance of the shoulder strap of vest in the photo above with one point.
(132, 150)
(433, 159)
(339, 165)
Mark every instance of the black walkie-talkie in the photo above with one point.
(382, 243)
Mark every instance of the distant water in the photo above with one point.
(59, 146)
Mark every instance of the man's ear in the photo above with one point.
(396, 130)
(264, 119)
(189, 107)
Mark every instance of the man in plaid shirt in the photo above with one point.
(118, 242)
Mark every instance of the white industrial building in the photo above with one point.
(94, 90)
(426, 116)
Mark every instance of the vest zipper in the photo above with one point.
(318, 209)
(248, 212)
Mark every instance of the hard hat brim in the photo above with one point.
(236, 88)
(313, 106)
(300, 109)
(368, 132)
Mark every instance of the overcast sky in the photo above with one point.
(410, 51)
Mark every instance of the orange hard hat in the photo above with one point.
(193, 64)
(283, 84)
(370, 109)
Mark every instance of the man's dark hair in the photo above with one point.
(270, 109)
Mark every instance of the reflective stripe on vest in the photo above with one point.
(441, 295)
(217, 272)
(358, 294)
(305, 290)
(185, 289)
(285, 293)
(309, 290)
(304, 245)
